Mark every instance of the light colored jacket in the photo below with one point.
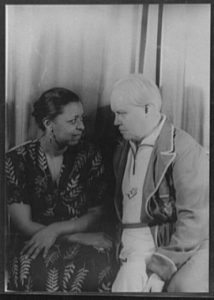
(175, 197)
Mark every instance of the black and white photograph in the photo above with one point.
(107, 149)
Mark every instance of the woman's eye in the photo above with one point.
(73, 122)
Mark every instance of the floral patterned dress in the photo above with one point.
(69, 267)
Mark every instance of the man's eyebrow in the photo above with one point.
(121, 112)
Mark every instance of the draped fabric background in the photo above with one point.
(88, 47)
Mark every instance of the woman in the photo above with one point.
(55, 191)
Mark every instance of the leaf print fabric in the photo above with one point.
(81, 185)
(68, 267)
(75, 268)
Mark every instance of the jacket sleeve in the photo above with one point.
(191, 182)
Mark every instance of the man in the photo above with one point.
(162, 196)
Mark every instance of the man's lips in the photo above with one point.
(122, 130)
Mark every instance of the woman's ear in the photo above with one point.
(47, 123)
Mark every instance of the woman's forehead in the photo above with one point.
(73, 109)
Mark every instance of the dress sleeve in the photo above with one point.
(97, 181)
(15, 178)
(191, 181)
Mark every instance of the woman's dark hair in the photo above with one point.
(51, 104)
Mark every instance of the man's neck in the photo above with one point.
(150, 131)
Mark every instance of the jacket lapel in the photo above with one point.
(120, 165)
(162, 157)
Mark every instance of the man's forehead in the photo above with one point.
(136, 90)
(126, 96)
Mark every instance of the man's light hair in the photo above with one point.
(138, 90)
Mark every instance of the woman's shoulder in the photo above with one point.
(23, 148)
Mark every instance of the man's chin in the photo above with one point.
(125, 136)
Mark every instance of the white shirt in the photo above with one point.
(134, 175)
(137, 243)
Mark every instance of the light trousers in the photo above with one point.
(138, 246)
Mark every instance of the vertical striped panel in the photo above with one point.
(158, 54)
(144, 24)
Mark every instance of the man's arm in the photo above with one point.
(191, 181)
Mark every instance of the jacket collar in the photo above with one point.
(165, 141)
(120, 165)
(162, 157)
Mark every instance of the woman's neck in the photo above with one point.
(50, 146)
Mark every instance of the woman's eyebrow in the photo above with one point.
(76, 116)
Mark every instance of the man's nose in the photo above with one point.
(116, 120)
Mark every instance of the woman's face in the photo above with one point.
(68, 127)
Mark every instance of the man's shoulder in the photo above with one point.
(184, 141)
(178, 140)
(182, 137)
(187, 147)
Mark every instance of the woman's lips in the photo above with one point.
(76, 136)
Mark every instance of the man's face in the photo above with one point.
(68, 127)
(130, 118)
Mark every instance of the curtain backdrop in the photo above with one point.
(88, 47)
(185, 68)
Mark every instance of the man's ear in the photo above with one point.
(149, 108)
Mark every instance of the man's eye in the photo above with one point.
(121, 113)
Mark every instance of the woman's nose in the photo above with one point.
(80, 125)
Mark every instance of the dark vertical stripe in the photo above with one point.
(159, 35)
(2, 148)
(144, 24)
(134, 40)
